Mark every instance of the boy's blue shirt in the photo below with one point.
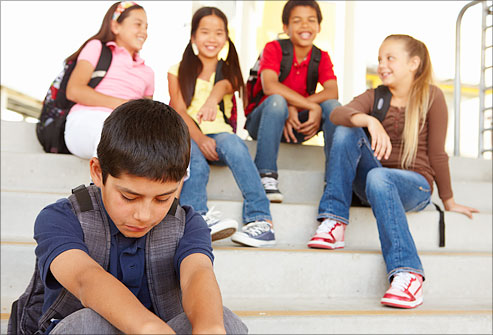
(57, 230)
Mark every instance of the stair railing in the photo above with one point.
(486, 10)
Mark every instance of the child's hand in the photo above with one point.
(208, 111)
(311, 126)
(208, 147)
(452, 206)
(380, 140)
(291, 123)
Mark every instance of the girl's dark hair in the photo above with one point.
(144, 138)
(288, 7)
(105, 34)
(191, 65)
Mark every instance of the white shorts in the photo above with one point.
(83, 132)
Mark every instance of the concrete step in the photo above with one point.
(60, 173)
(362, 316)
(294, 223)
(43, 172)
(20, 137)
(353, 316)
(288, 272)
(307, 187)
(446, 316)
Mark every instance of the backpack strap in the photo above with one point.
(98, 74)
(441, 225)
(381, 102)
(83, 198)
(312, 75)
(287, 58)
(161, 244)
(102, 66)
(218, 77)
(88, 208)
(284, 69)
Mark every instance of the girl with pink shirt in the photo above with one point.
(124, 31)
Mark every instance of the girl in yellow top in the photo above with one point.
(196, 96)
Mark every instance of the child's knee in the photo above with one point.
(231, 144)
(84, 321)
(377, 180)
(277, 105)
(343, 134)
(328, 106)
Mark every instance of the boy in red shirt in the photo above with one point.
(288, 112)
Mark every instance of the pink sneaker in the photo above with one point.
(406, 291)
(329, 235)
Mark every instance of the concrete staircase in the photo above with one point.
(288, 288)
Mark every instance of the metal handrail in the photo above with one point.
(457, 84)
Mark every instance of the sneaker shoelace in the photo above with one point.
(326, 226)
(270, 183)
(257, 228)
(402, 280)
(212, 216)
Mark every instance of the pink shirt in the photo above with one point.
(127, 77)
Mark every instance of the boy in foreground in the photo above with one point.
(136, 262)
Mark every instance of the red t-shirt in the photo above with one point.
(296, 80)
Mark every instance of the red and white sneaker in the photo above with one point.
(406, 291)
(329, 235)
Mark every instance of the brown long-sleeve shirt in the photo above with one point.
(431, 159)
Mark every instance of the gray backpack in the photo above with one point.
(26, 314)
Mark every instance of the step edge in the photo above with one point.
(302, 250)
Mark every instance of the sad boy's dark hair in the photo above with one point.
(144, 138)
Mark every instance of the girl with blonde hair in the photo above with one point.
(393, 171)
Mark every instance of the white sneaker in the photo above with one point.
(270, 183)
(219, 228)
(256, 234)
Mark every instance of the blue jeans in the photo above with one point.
(266, 123)
(390, 192)
(232, 152)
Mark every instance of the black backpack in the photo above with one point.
(286, 63)
(232, 119)
(381, 105)
(50, 129)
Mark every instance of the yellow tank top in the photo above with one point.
(203, 89)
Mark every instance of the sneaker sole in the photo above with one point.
(325, 245)
(223, 230)
(275, 197)
(223, 234)
(251, 242)
(401, 303)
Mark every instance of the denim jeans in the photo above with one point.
(232, 152)
(266, 123)
(390, 192)
(87, 321)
